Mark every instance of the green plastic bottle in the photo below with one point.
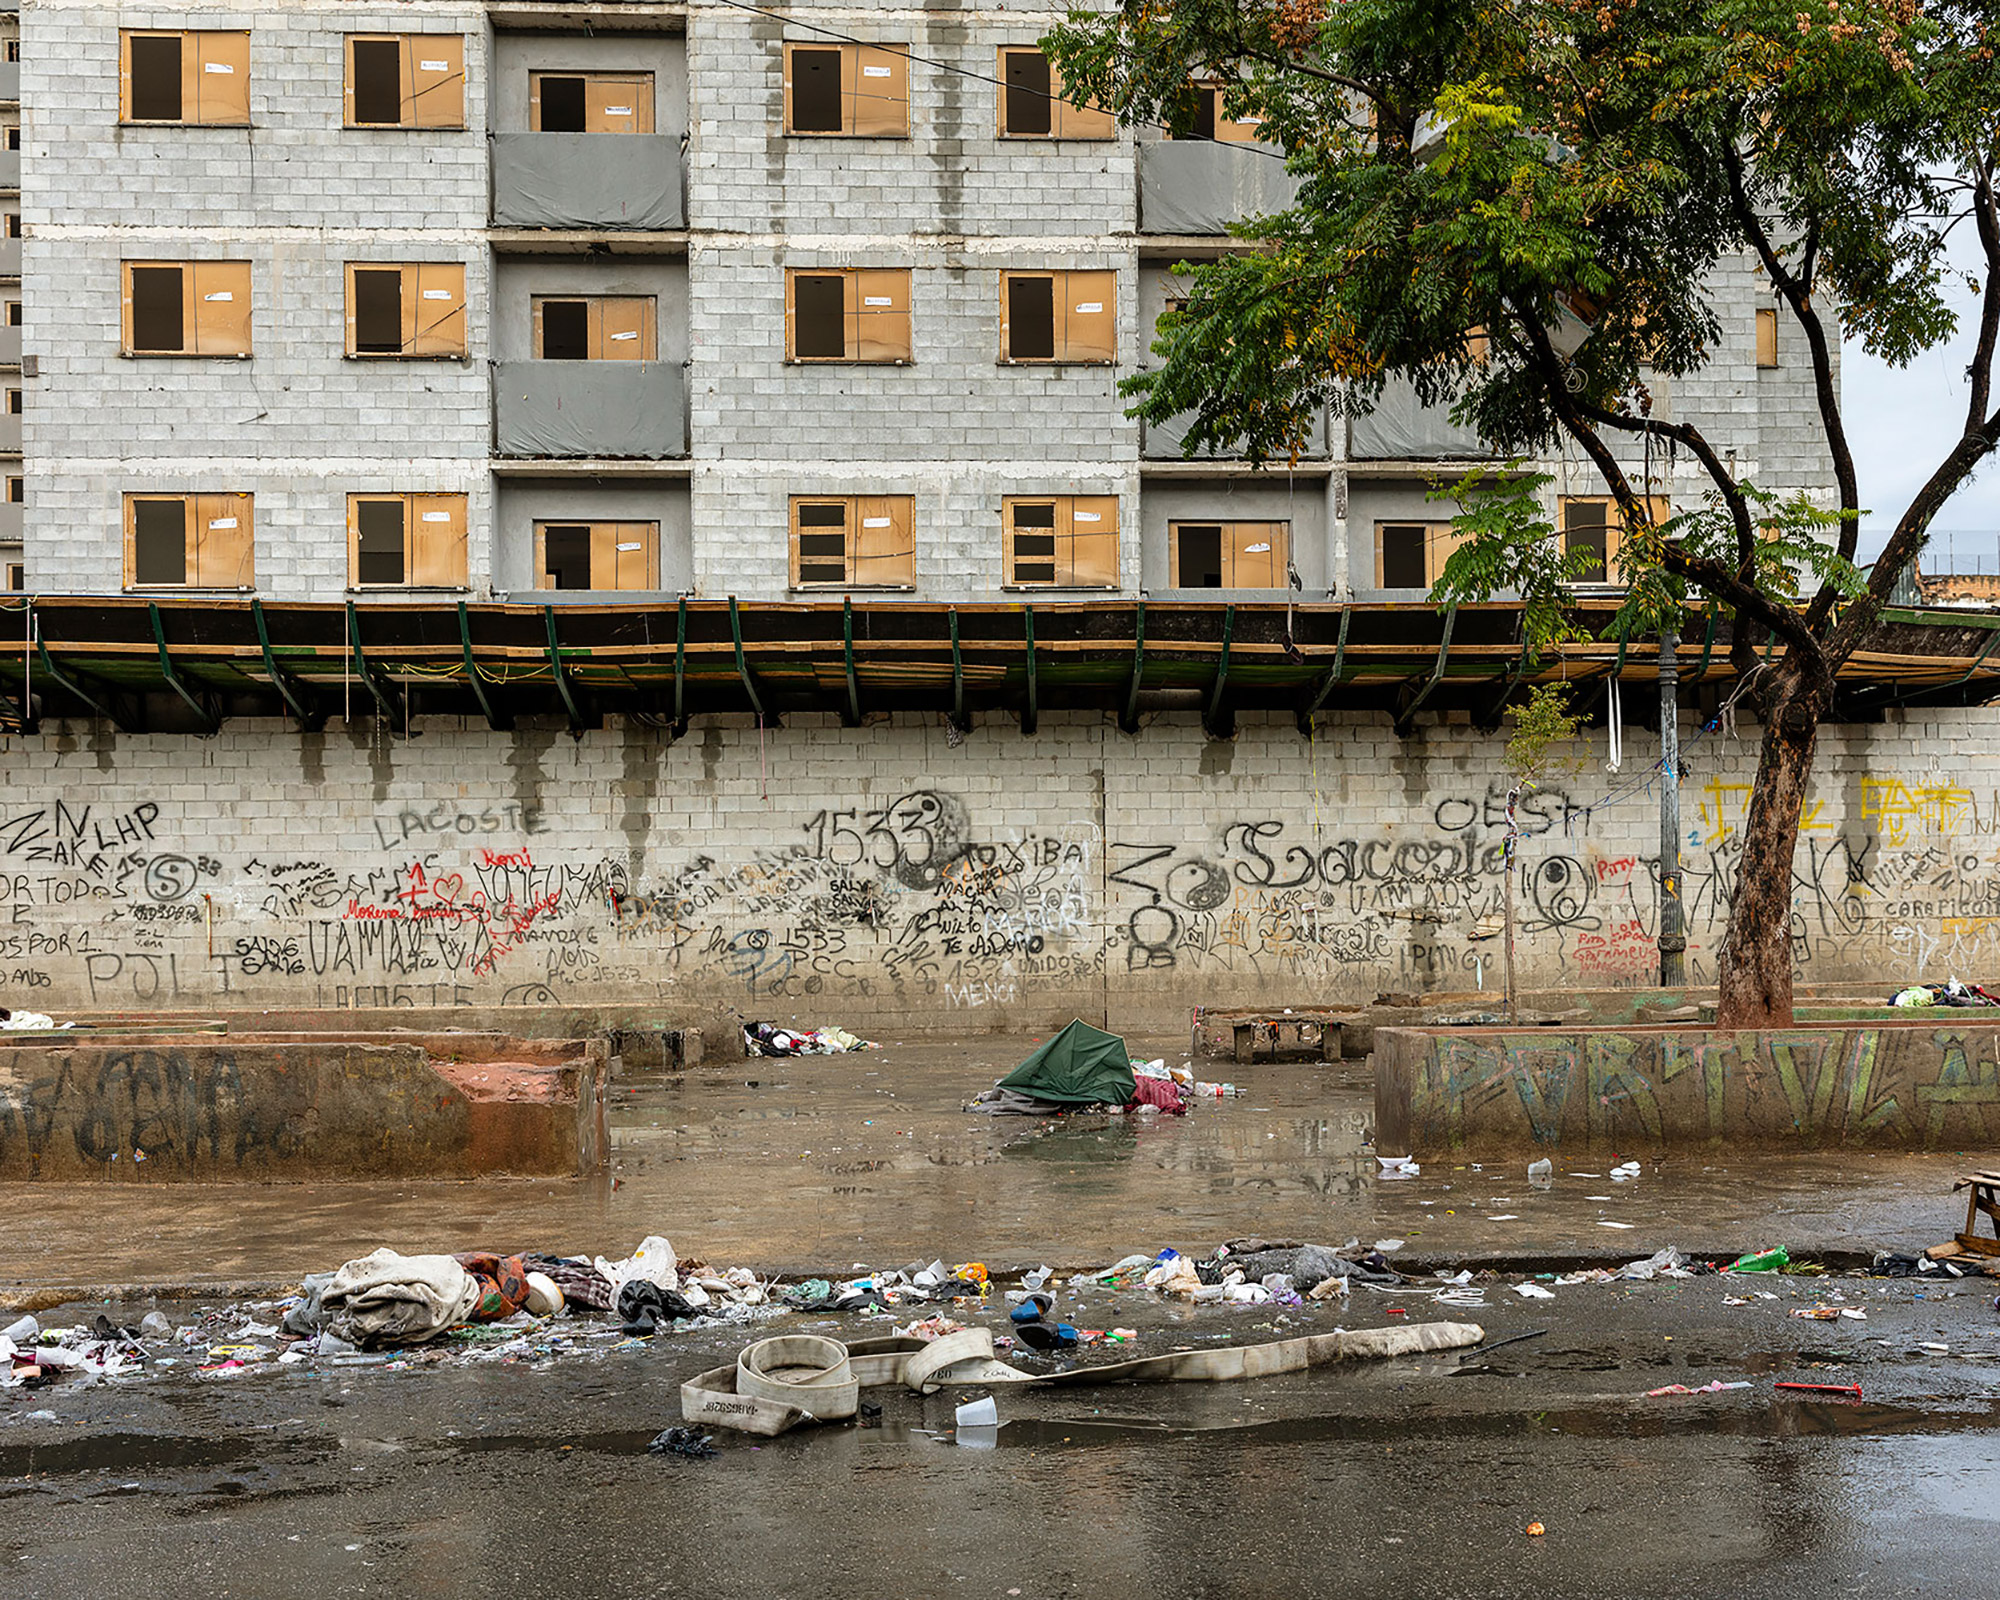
(1763, 1261)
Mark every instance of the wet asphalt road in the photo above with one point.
(1412, 1478)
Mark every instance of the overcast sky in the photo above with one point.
(1900, 423)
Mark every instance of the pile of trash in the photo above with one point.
(1949, 993)
(768, 1039)
(1086, 1069)
(30, 1021)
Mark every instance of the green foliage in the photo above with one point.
(1543, 727)
(1511, 548)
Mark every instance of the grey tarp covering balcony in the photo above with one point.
(1162, 440)
(588, 408)
(1195, 186)
(1402, 428)
(586, 180)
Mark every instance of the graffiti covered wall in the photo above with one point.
(886, 876)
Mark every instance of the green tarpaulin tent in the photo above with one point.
(1081, 1066)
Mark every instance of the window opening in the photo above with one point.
(159, 542)
(1200, 556)
(567, 557)
(816, 91)
(561, 103)
(1031, 319)
(378, 542)
(1030, 94)
(158, 307)
(378, 81)
(156, 77)
(820, 317)
(378, 311)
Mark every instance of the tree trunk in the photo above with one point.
(1756, 975)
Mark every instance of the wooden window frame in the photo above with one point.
(438, 102)
(423, 568)
(602, 328)
(203, 283)
(644, 107)
(221, 533)
(206, 53)
(1275, 528)
(1767, 338)
(864, 113)
(1081, 338)
(1237, 131)
(1614, 530)
(1084, 545)
(606, 539)
(1067, 120)
(442, 338)
(1440, 540)
(891, 518)
(876, 336)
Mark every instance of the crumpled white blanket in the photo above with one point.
(386, 1298)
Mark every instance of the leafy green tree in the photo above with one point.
(1521, 208)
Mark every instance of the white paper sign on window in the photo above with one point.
(435, 66)
(223, 522)
(877, 72)
(437, 294)
(1089, 516)
(877, 300)
(220, 294)
(1090, 308)
(874, 522)
(437, 516)
(1256, 549)
(217, 66)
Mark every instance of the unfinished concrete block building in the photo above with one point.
(541, 300)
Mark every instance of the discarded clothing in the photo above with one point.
(386, 1298)
(581, 1283)
(768, 1039)
(643, 1305)
(1012, 1103)
(502, 1280)
(307, 1316)
(1162, 1094)
(689, 1442)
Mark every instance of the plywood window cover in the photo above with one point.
(215, 78)
(874, 334)
(617, 327)
(432, 79)
(215, 309)
(1614, 528)
(221, 540)
(1232, 130)
(434, 541)
(1767, 338)
(1440, 540)
(1083, 539)
(433, 310)
(874, 90)
(609, 553)
(1067, 120)
(880, 541)
(613, 102)
(1242, 565)
(1083, 336)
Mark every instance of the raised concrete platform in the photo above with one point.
(147, 1108)
(1932, 1083)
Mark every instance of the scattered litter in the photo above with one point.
(1542, 1171)
(1535, 1530)
(689, 1442)
(1617, 1224)
(1534, 1291)
(768, 1039)
(1625, 1173)
(1398, 1167)
(1847, 1390)
(978, 1414)
(1761, 1261)
(1717, 1387)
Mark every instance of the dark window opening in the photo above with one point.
(14, 138)
(819, 318)
(378, 312)
(156, 78)
(158, 312)
(1031, 319)
(1403, 558)
(1585, 527)
(17, 491)
(823, 556)
(1200, 557)
(378, 81)
(562, 105)
(566, 555)
(13, 313)
(816, 91)
(13, 402)
(159, 541)
(13, 224)
(378, 541)
(565, 330)
(1030, 90)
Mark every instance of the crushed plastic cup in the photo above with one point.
(982, 1413)
(1398, 1167)
(26, 1330)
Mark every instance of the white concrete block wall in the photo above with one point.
(886, 878)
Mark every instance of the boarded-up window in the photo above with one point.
(1058, 316)
(1767, 337)
(191, 308)
(852, 90)
(597, 555)
(590, 102)
(596, 328)
(17, 491)
(191, 541)
(406, 80)
(1230, 555)
(1061, 541)
(406, 541)
(1411, 555)
(847, 314)
(197, 78)
(1594, 525)
(406, 309)
(1033, 106)
(1199, 114)
(854, 541)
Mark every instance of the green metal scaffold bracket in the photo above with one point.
(496, 719)
(743, 667)
(1213, 721)
(210, 723)
(384, 692)
(295, 694)
(1129, 722)
(1032, 716)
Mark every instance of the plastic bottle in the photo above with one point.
(1216, 1090)
(1762, 1261)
